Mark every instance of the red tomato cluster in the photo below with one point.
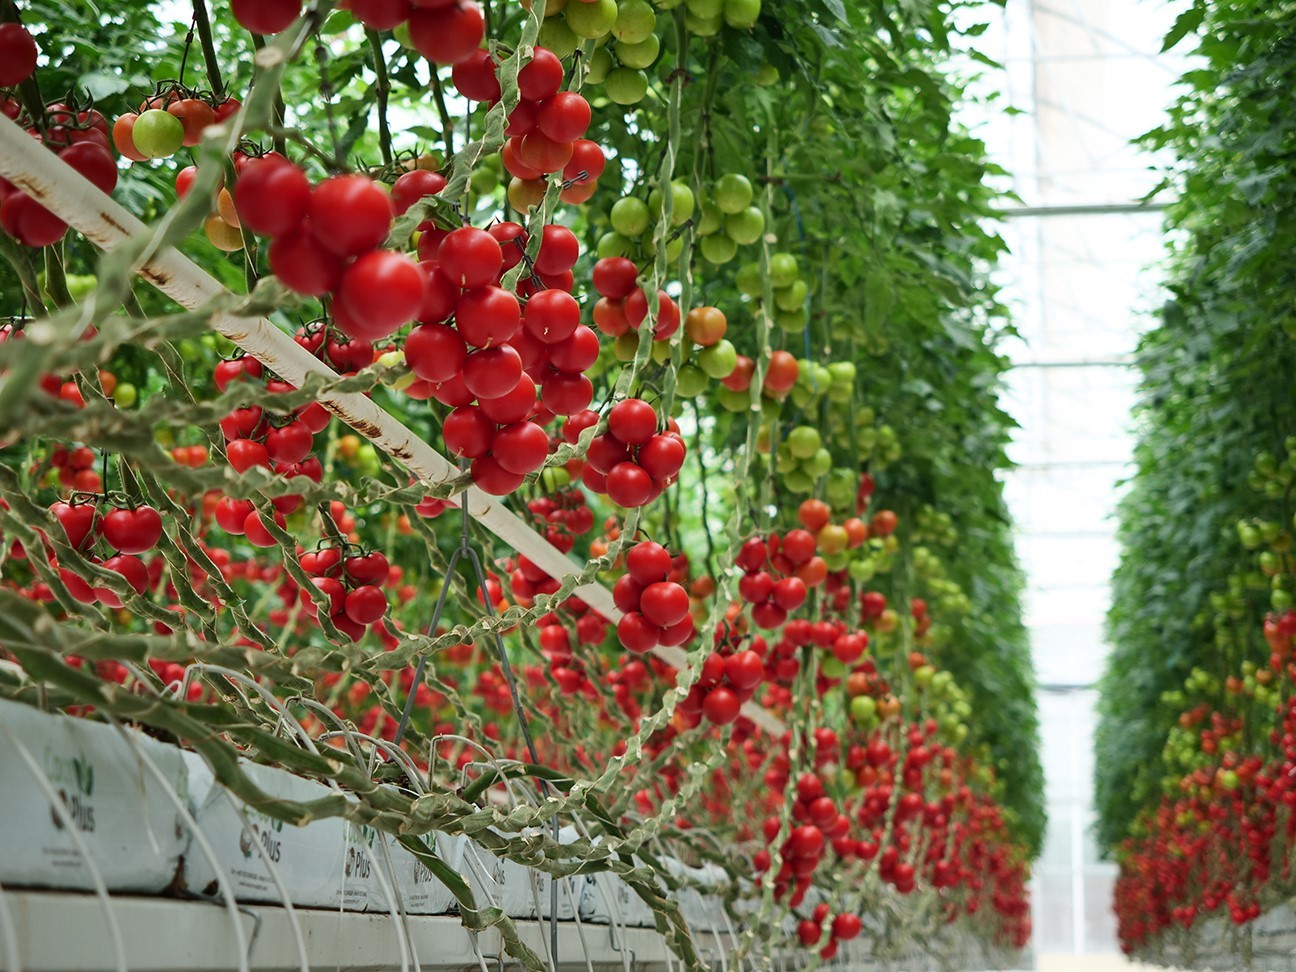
(727, 681)
(80, 137)
(655, 608)
(632, 462)
(545, 130)
(841, 928)
(253, 438)
(623, 304)
(504, 372)
(352, 583)
(769, 583)
(127, 532)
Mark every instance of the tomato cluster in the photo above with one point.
(655, 608)
(632, 462)
(122, 533)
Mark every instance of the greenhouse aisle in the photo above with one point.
(1089, 78)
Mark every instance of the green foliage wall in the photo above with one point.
(1216, 384)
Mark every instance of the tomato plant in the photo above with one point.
(726, 345)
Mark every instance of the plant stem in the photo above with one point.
(55, 278)
(447, 125)
(203, 23)
(384, 89)
(20, 259)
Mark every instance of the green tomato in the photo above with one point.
(832, 668)
(719, 360)
(749, 280)
(81, 285)
(674, 248)
(819, 464)
(125, 394)
(690, 382)
(555, 478)
(766, 75)
(718, 248)
(733, 193)
(484, 180)
(629, 216)
(556, 35)
(683, 203)
(601, 64)
(615, 245)
(863, 710)
(660, 351)
(635, 21)
(732, 401)
(923, 675)
(641, 55)
(793, 297)
(741, 14)
(711, 220)
(158, 134)
(783, 269)
(841, 488)
(705, 8)
(625, 346)
(793, 321)
(746, 226)
(797, 481)
(843, 373)
(591, 20)
(804, 441)
(625, 86)
(703, 26)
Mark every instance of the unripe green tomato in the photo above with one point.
(733, 193)
(801, 396)
(745, 227)
(832, 668)
(630, 216)
(843, 373)
(794, 322)
(601, 363)
(719, 360)
(691, 381)
(157, 134)
(625, 346)
(81, 285)
(660, 352)
(863, 710)
(625, 86)
(555, 478)
(803, 441)
(1280, 600)
(615, 245)
(837, 561)
(793, 297)
(125, 394)
(484, 180)
(748, 280)
(557, 36)
(635, 22)
(819, 464)
(683, 203)
(741, 14)
(718, 248)
(797, 481)
(600, 63)
(674, 248)
(840, 490)
(711, 219)
(783, 269)
(820, 373)
(591, 20)
(862, 571)
(705, 8)
(923, 675)
(732, 401)
(641, 55)
(703, 26)
(767, 74)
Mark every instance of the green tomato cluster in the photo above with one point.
(705, 17)
(633, 222)
(803, 459)
(729, 218)
(791, 291)
(697, 366)
(930, 525)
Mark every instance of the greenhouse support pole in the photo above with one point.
(26, 163)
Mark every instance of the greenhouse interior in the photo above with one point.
(859, 536)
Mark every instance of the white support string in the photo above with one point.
(66, 193)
